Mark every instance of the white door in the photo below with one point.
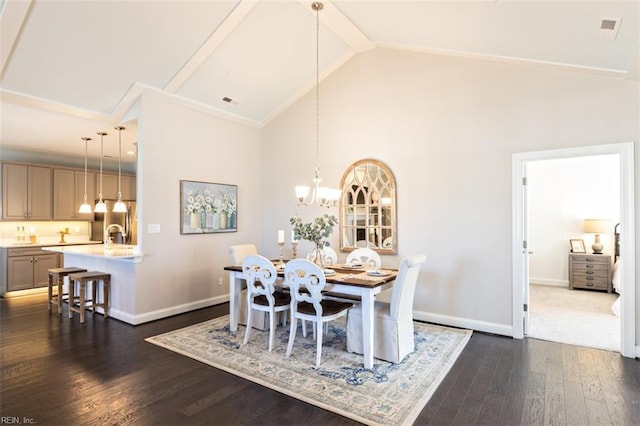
(525, 251)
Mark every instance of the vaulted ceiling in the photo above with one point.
(71, 68)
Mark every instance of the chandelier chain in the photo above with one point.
(317, 7)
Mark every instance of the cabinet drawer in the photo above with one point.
(25, 251)
(597, 283)
(594, 259)
(586, 267)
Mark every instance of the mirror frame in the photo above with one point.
(344, 203)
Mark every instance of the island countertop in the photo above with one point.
(115, 252)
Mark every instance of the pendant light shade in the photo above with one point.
(101, 207)
(325, 197)
(85, 207)
(119, 206)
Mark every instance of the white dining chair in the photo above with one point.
(365, 256)
(393, 322)
(306, 281)
(262, 296)
(260, 319)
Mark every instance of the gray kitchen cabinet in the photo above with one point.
(26, 192)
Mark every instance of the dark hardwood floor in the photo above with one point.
(55, 371)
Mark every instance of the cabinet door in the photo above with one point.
(19, 273)
(128, 187)
(68, 194)
(64, 184)
(15, 184)
(40, 193)
(109, 186)
(41, 265)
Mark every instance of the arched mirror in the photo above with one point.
(368, 208)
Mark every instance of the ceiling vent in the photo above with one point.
(230, 101)
(609, 28)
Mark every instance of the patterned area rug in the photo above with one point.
(388, 394)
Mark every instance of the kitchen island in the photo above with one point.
(117, 260)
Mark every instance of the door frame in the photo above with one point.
(520, 257)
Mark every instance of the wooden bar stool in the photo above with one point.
(81, 279)
(56, 278)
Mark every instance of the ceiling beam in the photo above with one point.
(342, 26)
(233, 19)
(13, 15)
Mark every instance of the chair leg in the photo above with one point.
(60, 293)
(72, 290)
(50, 292)
(304, 328)
(272, 328)
(249, 319)
(292, 334)
(318, 344)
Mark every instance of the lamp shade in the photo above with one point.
(596, 226)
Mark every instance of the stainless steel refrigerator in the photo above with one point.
(128, 221)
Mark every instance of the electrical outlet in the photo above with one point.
(220, 281)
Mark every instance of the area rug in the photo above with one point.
(387, 394)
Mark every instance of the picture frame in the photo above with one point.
(577, 246)
(207, 208)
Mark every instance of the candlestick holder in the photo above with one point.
(281, 264)
(294, 248)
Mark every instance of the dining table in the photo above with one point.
(346, 280)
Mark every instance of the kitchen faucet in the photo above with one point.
(107, 240)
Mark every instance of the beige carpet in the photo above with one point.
(576, 317)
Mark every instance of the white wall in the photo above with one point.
(447, 127)
(180, 272)
(562, 193)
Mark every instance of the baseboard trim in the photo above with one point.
(549, 282)
(484, 326)
(167, 312)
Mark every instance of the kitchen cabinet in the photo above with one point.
(68, 194)
(28, 268)
(26, 192)
(590, 271)
(110, 186)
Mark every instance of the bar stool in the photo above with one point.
(56, 277)
(81, 279)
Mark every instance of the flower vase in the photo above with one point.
(216, 221)
(203, 220)
(223, 220)
(319, 258)
(194, 220)
(232, 220)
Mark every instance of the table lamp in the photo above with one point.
(596, 226)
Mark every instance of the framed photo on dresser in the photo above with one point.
(577, 246)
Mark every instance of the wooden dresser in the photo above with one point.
(590, 271)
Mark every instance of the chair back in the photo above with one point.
(240, 251)
(404, 288)
(330, 255)
(302, 273)
(260, 275)
(366, 256)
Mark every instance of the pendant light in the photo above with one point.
(85, 207)
(326, 197)
(119, 206)
(101, 207)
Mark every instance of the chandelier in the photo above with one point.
(119, 206)
(100, 206)
(326, 197)
(85, 207)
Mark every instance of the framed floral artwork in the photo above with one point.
(208, 207)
